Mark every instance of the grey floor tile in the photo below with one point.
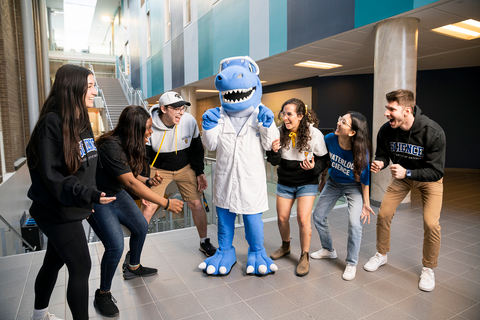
(408, 280)
(153, 261)
(238, 311)
(389, 313)
(472, 275)
(330, 309)
(295, 315)
(452, 266)
(283, 278)
(251, 287)
(14, 261)
(333, 284)
(448, 299)
(166, 289)
(179, 307)
(199, 281)
(200, 316)
(387, 291)
(271, 305)
(421, 308)
(303, 294)
(9, 306)
(217, 297)
(463, 286)
(464, 258)
(360, 301)
(472, 313)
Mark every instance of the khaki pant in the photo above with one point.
(185, 179)
(432, 196)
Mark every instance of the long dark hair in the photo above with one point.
(303, 131)
(361, 145)
(67, 99)
(131, 128)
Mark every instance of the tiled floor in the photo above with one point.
(180, 290)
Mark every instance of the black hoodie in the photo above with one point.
(58, 196)
(420, 149)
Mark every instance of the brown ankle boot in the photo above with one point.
(282, 251)
(303, 266)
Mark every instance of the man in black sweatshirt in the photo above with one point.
(416, 146)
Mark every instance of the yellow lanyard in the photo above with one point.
(292, 136)
(158, 152)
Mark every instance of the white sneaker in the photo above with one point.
(324, 254)
(376, 261)
(350, 272)
(48, 316)
(427, 280)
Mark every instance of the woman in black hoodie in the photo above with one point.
(62, 158)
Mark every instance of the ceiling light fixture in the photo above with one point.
(318, 65)
(206, 90)
(77, 23)
(467, 29)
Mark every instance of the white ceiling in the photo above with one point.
(99, 31)
(355, 49)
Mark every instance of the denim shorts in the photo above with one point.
(296, 192)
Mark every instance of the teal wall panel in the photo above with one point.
(157, 31)
(369, 11)
(421, 3)
(157, 82)
(230, 30)
(203, 6)
(278, 26)
(205, 46)
(149, 71)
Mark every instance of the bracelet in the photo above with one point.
(168, 204)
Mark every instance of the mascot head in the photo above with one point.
(238, 84)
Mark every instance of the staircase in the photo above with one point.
(114, 97)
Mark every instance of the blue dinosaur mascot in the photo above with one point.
(240, 131)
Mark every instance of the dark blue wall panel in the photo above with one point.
(312, 20)
(176, 12)
(134, 41)
(178, 68)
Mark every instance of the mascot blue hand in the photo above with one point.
(259, 263)
(210, 118)
(265, 116)
(220, 263)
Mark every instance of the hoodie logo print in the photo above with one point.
(89, 144)
(406, 148)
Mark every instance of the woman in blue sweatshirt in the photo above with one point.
(350, 149)
(62, 158)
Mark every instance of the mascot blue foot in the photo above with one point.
(220, 263)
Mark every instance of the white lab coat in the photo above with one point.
(240, 182)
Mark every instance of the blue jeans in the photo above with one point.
(327, 200)
(106, 221)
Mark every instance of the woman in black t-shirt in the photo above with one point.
(62, 159)
(122, 159)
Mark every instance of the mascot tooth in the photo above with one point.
(240, 130)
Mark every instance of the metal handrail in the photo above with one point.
(100, 93)
(10, 228)
(134, 96)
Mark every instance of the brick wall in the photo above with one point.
(13, 94)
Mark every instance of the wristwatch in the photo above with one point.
(409, 174)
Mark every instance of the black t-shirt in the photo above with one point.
(113, 163)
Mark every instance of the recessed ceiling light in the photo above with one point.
(467, 29)
(263, 81)
(318, 65)
(206, 90)
(107, 18)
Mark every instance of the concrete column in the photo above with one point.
(395, 68)
(190, 94)
(30, 62)
(44, 39)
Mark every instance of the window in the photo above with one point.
(168, 21)
(127, 59)
(149, 42)
(187, 12)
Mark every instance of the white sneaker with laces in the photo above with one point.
(324, 254)
(48, 316)
(376, 261)
(427, 280)
(350, 272)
